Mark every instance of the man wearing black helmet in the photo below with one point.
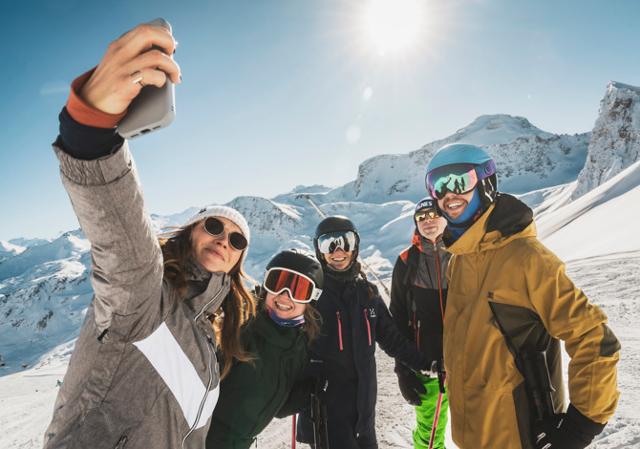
(354, 318)
(418, 300)
(509, 303)
(277, 338)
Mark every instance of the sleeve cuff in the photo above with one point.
(84, 114)
(586, 425)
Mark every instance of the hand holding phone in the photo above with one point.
(130, 65)
(154, 107)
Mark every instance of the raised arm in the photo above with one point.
(99, 175)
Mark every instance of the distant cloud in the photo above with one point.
(54, 88)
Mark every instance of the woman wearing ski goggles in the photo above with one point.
(337, 248)
(278, 337)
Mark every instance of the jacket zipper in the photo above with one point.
(206, 393)
(439, 273)
(207, 304)
(339, 330)
(366, 319)
(121, 442)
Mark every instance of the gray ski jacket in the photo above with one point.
(144, 372)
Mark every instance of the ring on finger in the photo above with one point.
(137, 78)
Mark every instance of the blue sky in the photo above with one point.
(286, 92)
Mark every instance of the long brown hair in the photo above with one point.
(236, 309)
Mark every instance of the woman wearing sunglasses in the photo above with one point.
(354, 319)
(144, 372)
(257, 390)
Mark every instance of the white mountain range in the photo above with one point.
(584, 189)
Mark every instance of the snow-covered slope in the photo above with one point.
(610, 212)
(615, 140)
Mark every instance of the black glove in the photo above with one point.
(571, 430)
(410, 386)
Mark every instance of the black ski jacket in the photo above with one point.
(418, 302)
(354, 318)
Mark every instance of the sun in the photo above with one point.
(393, 26)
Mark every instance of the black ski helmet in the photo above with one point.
(300, 263)
(425, 203)
(335, 223)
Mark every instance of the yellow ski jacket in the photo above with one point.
(498, 262)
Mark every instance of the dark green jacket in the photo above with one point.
(254, 392)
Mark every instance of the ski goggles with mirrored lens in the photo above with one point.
(424, 214)
(332, 241)
(455, 178)
(215, 227)
(301, 288)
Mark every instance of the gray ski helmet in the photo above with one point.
(335, 223)
(300, 263)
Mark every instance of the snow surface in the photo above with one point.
(45, 289)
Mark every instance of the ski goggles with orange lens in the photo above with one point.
(301, 288)
(332, 241)
(215, 227)
(426, 214)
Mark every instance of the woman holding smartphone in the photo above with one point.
(144, 371)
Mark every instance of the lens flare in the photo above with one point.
(393, 26)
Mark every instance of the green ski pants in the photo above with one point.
(425, 413)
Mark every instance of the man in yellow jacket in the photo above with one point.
(509, 303)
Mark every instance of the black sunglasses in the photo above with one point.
(215, 227)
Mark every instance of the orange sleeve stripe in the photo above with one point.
(82, 113)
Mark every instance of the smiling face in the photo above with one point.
(432, 228)
(454, 204)
(339, 260)
(283, 306)
(215, 253)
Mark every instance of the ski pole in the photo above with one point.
(441, 379)
(293, 432)
(432, 438)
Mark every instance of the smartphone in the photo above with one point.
(153, 108)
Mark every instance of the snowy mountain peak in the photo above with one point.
(616, 85)
(615, 140)
(496, 129)
(527, 157)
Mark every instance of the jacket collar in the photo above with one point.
(424, 245)
(507, 219)
(282, 337)
(205, 290)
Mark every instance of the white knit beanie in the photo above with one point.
(216, 211)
